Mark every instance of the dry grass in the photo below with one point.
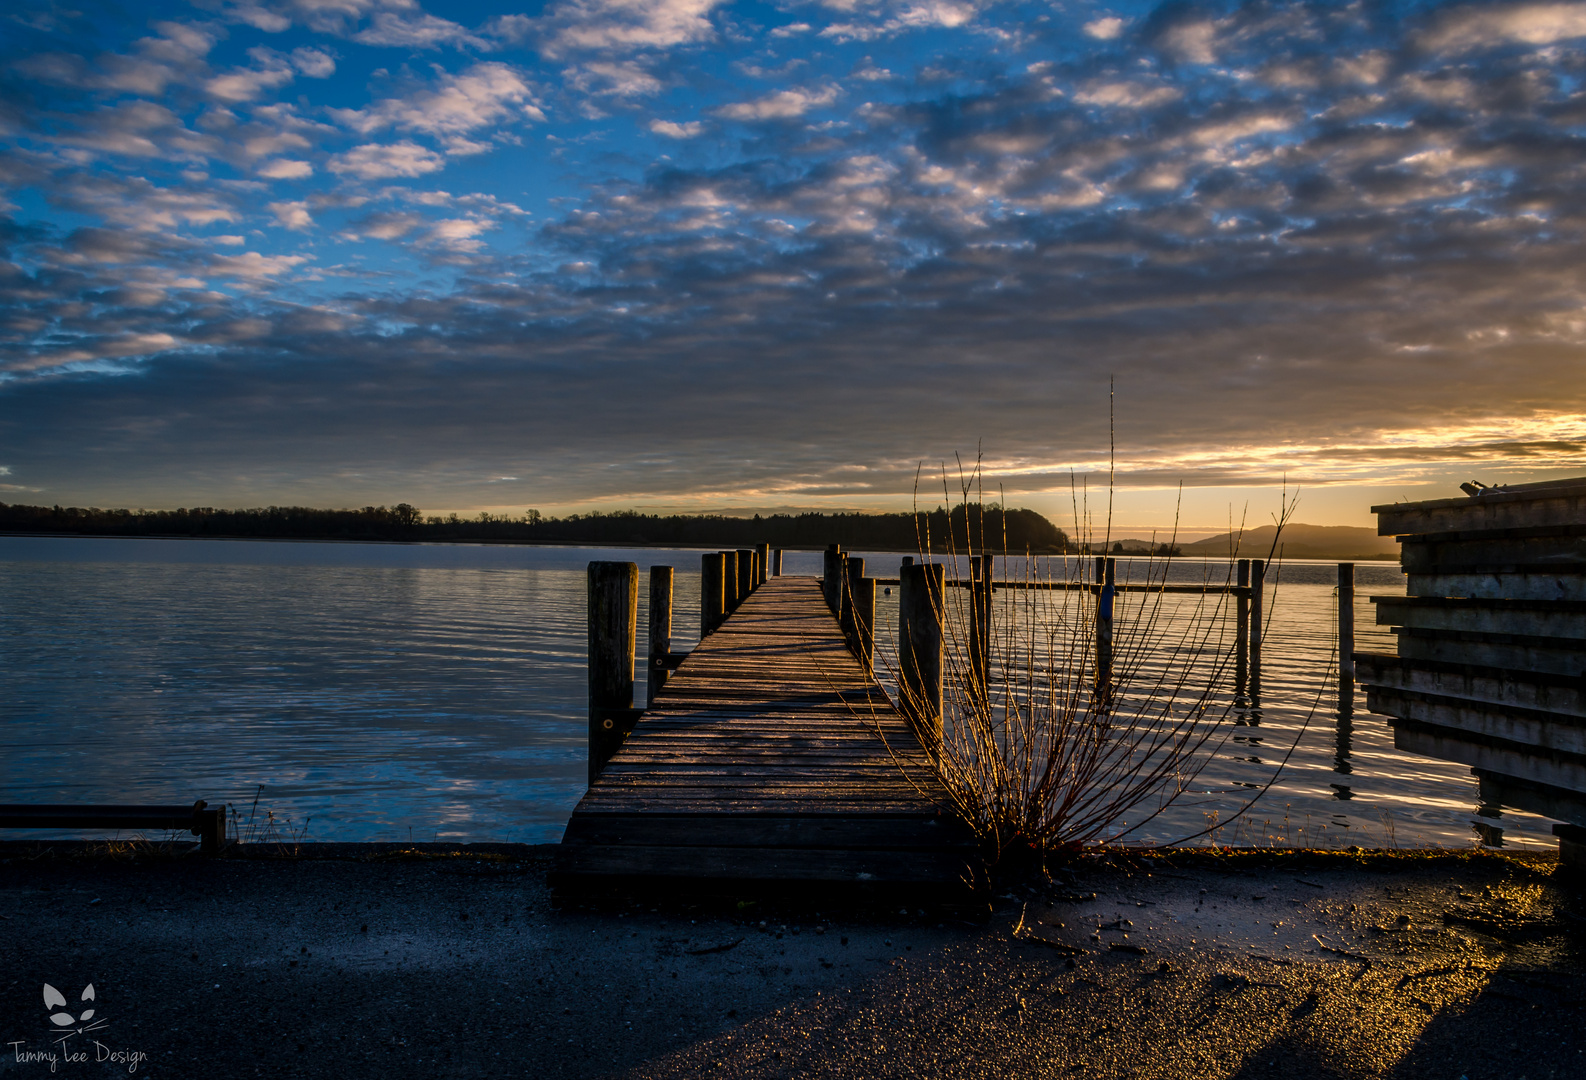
(268, 828)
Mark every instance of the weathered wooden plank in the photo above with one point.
(883, 831)
(948, 868)
(1529, 728)
(703, 783)
(822, 764)
(673, 801)
(1566, 551)
(1522, 618)
(1489, 650)
(1554, 770)
(1521, 585)
(740, 750)
(1518, 508)
(1562, 694)
(1513, 793)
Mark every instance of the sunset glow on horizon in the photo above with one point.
(701, 256)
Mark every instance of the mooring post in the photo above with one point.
(853, 572)
(1104, 598)
(712, 592)
(829, 578)
(729, 583)
(863, 599)
(845, 611)
(920, 649)
(745, 573)
(762, 557)
(974, 614)
(1258, 575)
(776, 563)
(210, 825)
(988, 565)
(1346, 636)
(1241, 624)
(613, 636)
(660, 630)
(980, 619)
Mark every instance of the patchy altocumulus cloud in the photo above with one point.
(652, 251)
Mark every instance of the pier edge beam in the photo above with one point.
(920, 596)
(661, 578)
(613, 637)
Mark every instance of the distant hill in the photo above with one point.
(1337, 543)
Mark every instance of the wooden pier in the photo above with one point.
(771, 756)
(1492, 644)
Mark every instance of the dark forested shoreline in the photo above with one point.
(1011, 530)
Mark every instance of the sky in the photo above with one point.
(703, 255)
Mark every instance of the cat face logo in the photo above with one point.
(55, 1001)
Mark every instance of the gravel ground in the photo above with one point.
(363, 961)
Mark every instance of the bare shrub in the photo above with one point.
(1037, 753)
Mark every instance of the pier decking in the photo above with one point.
(771, 755)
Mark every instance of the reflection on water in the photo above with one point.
(382, 691)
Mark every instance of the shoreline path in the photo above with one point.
(379, 960)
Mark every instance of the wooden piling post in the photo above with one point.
(712, 592)
(920, 649)
(829, 576)
(1346, 636)
(988, 564)
(1241, 624)
(613, 637)
(853, 570)
(1258, 574)
(980, 619)
(1104, 599)
(762, 558)
(776, 563)
(745, 573)
(660, 631)
(864, 606)
(844, 616)
(210, 825)
(729, 582)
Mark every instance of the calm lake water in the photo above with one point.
(394, 692)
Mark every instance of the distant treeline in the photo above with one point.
(1019, 530)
